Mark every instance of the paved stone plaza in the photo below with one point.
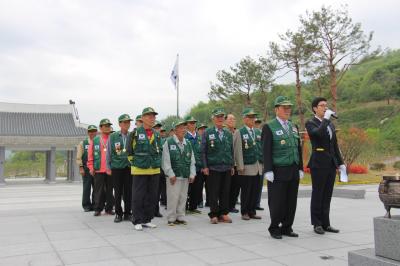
(44, 225)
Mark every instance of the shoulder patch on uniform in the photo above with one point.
(211, 136)
(172, 147)
(141, 137)
(245, 136)
(279, 132)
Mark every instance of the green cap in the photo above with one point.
(91, 128)
(218, 111)
(189, 118)
(178, 123)
(157, 124)
(149, 110)
(258, 120)
(105, 121)
(124, 117)
(138, 117)
(248, 111)
(202, 125)
(282, 100)
(163, 128)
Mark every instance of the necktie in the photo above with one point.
(252, 133)
(220, 134)
(285, 126)
(329, 132)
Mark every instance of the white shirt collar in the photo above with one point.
(178, 142)
(282, 121)
(195, 134)
(318, 118)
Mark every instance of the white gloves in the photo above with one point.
(328, 114)
(301, 174)
(343, 174)
(269, 176)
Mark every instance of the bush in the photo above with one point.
(358, 169)
(396, 165)
(377, 166)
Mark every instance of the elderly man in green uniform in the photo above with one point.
(178, 163)
(195, 188)
(87, 178)
(145, 153)
(217, 156)
(283, 167)
(248, 159)
(118, 163)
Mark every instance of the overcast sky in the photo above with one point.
(116, 56)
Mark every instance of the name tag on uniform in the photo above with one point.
(86, 147)
(172, 147)
(245, 136)
(97, 147)
(279, 132)
(211, 136)
(142, 137)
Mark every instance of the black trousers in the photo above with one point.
(195, 191)
(103, 192)
(88, 190)
(234, 191)
(123, 189)
(323, 180)
(162, 193)
(144, 199)
(260, 185)
(282, 200)
(204, 185)
(218, 184)
(248, 194)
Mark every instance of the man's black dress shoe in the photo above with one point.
(87, 209)
(331, 229)
(234, 210)
(291, 234)
(259, 208)
(319, 230)
(276, 236)
(96, 213)
(118, 218)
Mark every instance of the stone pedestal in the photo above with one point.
(387, 237)
(367, 257)
(387, 245)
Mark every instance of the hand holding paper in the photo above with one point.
(343, 174)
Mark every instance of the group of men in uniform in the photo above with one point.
(150, 165)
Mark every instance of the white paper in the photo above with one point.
(343, 175)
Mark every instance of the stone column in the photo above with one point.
(2, 162)
(76, 176)
(51, 167)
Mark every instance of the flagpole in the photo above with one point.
(177, 89)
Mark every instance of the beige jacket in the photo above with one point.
(249, 169)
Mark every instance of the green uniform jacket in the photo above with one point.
(117, 151)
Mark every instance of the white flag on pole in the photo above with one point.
(175, 72)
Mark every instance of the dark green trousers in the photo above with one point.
(87, 193)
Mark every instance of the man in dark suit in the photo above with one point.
(325, 159)
(283, 167)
